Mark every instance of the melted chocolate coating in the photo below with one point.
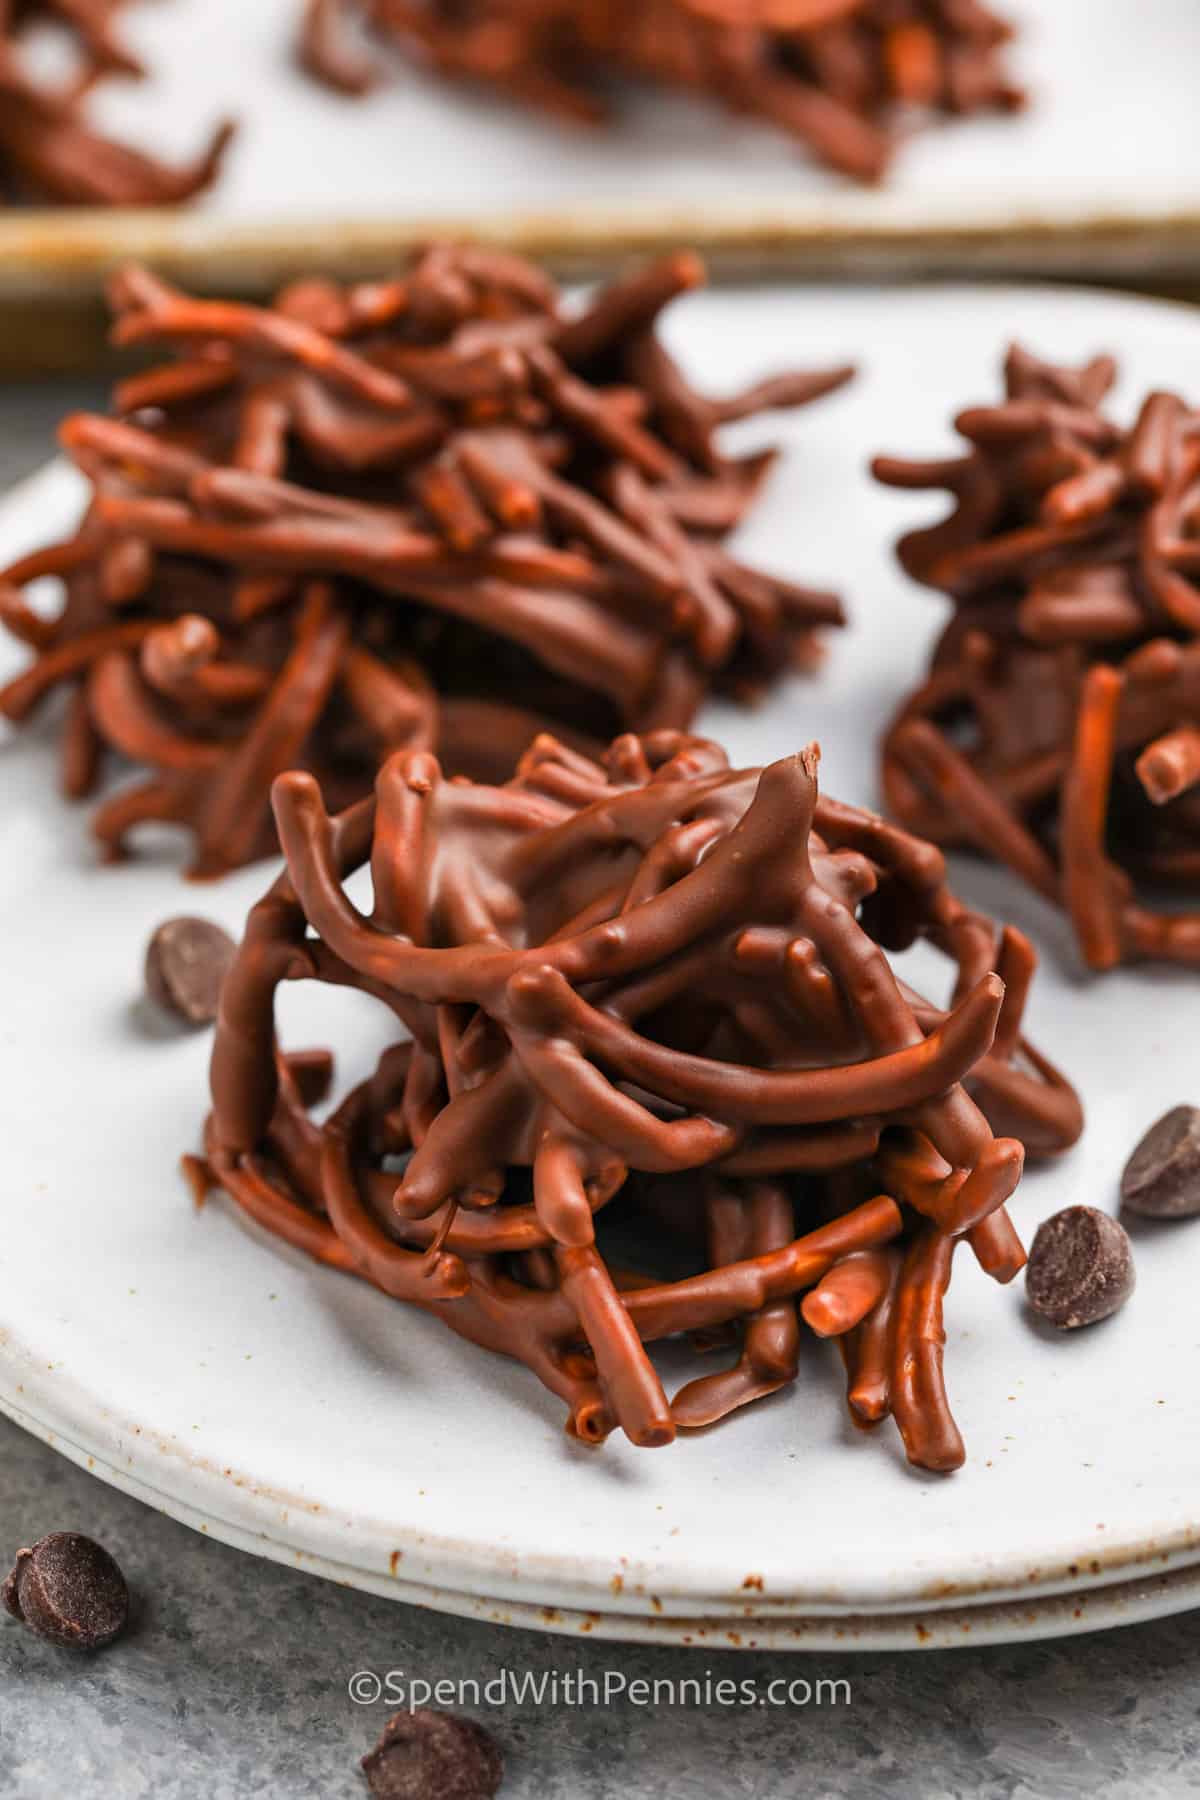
(833, 74)
(364, 518)
(648, 990)
(1059, 729)
(48, 152)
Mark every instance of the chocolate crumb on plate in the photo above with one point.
(426, 1753)
(1161, 1180)
(68, 1590)
(186, 961)
(1080, 1268)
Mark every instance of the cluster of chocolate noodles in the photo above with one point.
(365, 518)
(658, 1076)
(1059, 729)
(838, 75)
(47, 149)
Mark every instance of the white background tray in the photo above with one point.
(294, 1411)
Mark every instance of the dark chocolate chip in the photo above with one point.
(68, 1590)
(1162, 1177)
(1080, 1267)
(186, 961)
(426, 1755)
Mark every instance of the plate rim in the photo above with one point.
(234, 1505)
(1128, 1598)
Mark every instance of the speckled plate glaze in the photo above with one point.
(189, 1358)
(1102, 172)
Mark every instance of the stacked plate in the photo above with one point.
(289, 1410)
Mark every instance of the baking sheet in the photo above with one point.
(1101, 174)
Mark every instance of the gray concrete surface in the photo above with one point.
(233, 1682)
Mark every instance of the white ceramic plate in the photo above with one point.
(1102, 171)
(293, 1411)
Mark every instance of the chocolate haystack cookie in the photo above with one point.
(423, 1754)
(48, 152)
(842, 77)
(365, 518)
(653, 1028)
(1059, 729)
(1080, 1268)
(68, 1590)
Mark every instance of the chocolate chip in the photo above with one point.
(68, 1590)
(426, 1755)
(1080, 1268)
(1162, 1177)
(186, 962)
